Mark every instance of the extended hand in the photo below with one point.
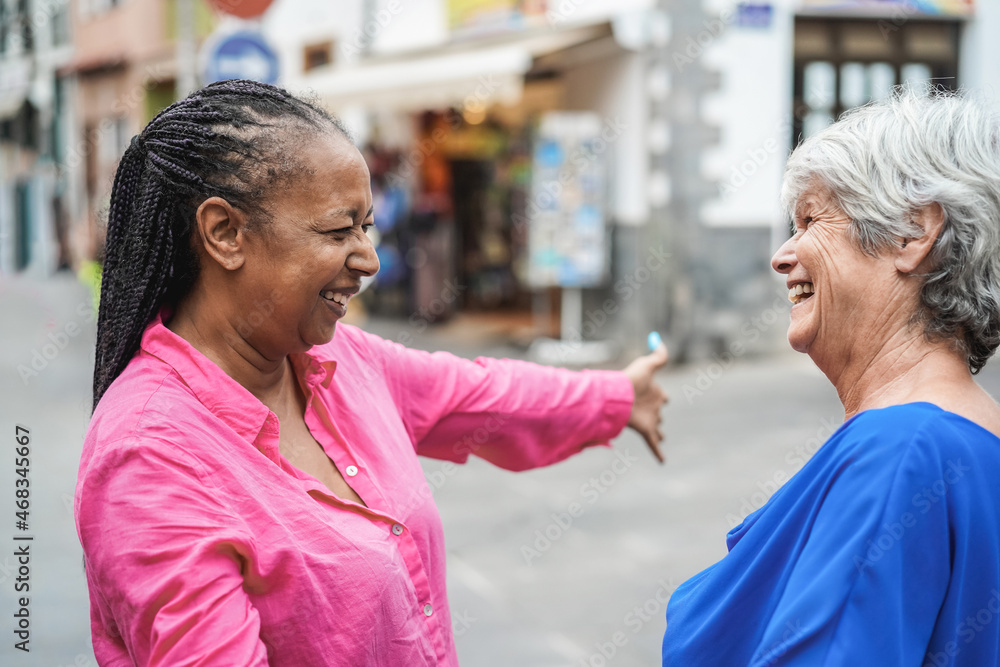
(649, 398)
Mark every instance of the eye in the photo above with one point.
(801, 225)
(367, 227)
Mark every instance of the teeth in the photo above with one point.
(795, 293)
(336, 297)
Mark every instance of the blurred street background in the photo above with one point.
(552, 180)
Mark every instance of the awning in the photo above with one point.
(455, 75)
(427, 83)
(96, 64)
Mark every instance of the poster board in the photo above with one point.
(567, 207)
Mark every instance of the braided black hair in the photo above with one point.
(229, 140)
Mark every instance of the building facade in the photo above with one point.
(35, 119)
(118, 85)
(694, 106)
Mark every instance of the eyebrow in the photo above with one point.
(351, 213)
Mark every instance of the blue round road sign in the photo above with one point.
(242, 55)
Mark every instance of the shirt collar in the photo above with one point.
(226, 398)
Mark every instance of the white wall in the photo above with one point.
(289, 25)
(979, 64)
(407, 25)
(614, 88)
(752, 110)
(570, 12)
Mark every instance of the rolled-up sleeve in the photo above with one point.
(515, 414)
(148, 513)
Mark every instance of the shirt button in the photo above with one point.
(396, 529)
(351, 471)
(428, 610)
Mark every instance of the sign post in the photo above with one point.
(240, 55)
(567, 234)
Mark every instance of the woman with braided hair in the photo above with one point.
(249, 491)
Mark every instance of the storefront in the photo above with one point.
(847, 54)
(451, 136)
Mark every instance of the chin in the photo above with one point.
(798, 347)
(799, 342)
(314, 337)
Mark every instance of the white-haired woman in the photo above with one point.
(885, 548)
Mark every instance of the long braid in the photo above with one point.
(213, 143)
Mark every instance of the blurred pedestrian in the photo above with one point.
(249, 491)
(884, 549)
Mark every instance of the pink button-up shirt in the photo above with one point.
(204, 546)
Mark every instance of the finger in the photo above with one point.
(654, 446)
(657, 417)
(659, 356)
(653, 435)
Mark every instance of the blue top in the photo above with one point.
(883, 550)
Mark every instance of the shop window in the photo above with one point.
(844, 63)
(27, 32)
(61, 24)
(317, 55)
(22, 128)
(4, 23)
(22, 221)
(57, 143)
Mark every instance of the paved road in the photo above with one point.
(530, 583)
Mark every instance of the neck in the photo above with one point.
(208, 327)
(906, 368)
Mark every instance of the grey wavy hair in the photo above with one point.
(886, 160)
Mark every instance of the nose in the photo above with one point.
(784, 259)
(364, 259)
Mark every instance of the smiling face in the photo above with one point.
(841, 295)
(307, 261)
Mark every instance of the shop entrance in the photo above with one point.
(484, 243)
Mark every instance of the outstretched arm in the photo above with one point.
(516, 414)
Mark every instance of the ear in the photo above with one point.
(220, 232)
(913, 252)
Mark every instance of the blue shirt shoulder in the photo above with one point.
(874, 553)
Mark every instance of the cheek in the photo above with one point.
(813, 249)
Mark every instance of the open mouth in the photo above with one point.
(800, 292)
(339, 298)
